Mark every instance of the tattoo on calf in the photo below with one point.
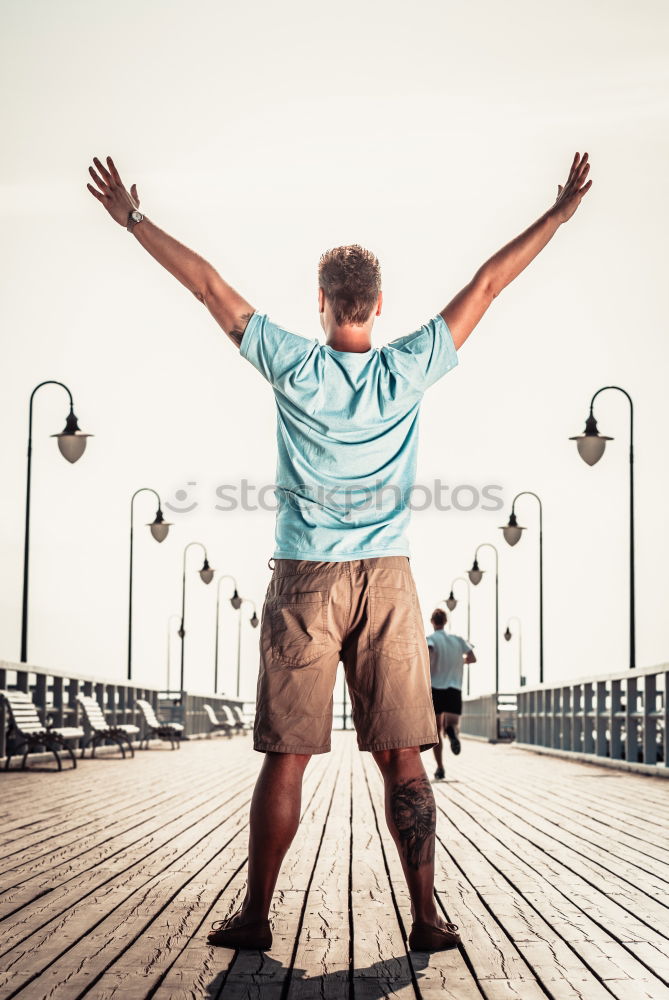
(413, 811)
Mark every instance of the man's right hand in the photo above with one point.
(113, 195)
(570, 195)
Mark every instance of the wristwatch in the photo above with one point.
(133, 218)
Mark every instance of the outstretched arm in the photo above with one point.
(230, 310)
(466, 309)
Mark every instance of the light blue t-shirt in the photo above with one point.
(447, 666)
(347, 437)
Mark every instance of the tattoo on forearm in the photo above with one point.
(238, 329)
(414, 814)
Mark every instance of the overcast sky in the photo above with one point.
(261, 134)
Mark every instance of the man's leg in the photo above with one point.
(438, 748)
(411, 816)
(452, 730)
(274, 819)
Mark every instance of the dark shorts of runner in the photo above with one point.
(447, 700)
(364, 613)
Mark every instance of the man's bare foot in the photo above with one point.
(433, 936)
(238, 931)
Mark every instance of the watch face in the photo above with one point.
(137, 216)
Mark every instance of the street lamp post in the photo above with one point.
(344, 705)
(253, 620)
(591, 445)
(72, 444)
(513, 533)
(508, 635)
(452, 603)
(206, 575)
(159, 529)
(169, 649)
(236, 602)
(475, 576)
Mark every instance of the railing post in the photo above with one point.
(3, 715)
(58, 701)
(111, 703)
(576, 717)
(631, 732)
(601, 720)
(565, 719)
(649, 724)
(665, 719)
(615, 724)
(589, 718)
(534, 726)
(72, 703)
(122, 704)
(41, 696)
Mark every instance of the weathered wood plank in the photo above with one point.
(553, 873)
(185, 976)
(587, 870)
(562, 919)
(444, 975)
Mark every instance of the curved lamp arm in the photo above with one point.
(475, 566)
(71, 443)
(235, 600)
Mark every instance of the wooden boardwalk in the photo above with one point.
(556, 872)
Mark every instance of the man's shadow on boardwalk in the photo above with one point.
(268, 977)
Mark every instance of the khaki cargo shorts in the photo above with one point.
(364, 613)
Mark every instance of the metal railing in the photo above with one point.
(621, 717)
(489, 717)
(54, 693)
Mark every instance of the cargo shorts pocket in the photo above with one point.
(298, 627)
(392, 622)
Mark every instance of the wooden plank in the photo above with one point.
(147, 930)
(184, 977)
(320, 968)
(268, 972)
(634, 890)
(116, 854)
(177, 848)
(622, 847)
(379, 948)
(522, 865)
(563, 919)
(444, 974)
(67, 844)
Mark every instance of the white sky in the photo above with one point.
(260, 135)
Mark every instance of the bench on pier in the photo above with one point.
(27, 732)
(172, 731)
(98, 729)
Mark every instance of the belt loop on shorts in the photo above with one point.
(271, 560)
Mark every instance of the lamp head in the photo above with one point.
(507, 634)
(254, 620)
(451, 602)
(475, 574)
(591, 443)
(236, 600)
(512, 531)
(159, 527)
(206, 573)
(71, 440)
